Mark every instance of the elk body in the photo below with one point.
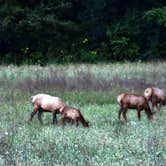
(46, 103)
(155, 96)
(73, 115)
(132, 101)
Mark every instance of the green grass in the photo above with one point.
(106, 142)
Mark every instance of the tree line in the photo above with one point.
(64, 31)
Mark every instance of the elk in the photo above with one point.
(155, 97)
(73, 115)
(132, 101)
(46, 103)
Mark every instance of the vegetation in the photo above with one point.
(62, 31)
(93, 88)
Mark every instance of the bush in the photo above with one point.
(123, 49)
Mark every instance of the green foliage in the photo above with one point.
(115, 30)
(88, 56)
(155, 20)
(156, 16)
(122, 48)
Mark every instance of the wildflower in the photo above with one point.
(85, 40)
(93, 52)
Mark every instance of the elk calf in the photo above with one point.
(155, 96)
(73, 115)
(132, 101)
(46, 103)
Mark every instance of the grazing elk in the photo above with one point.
(73, 115)
(132, 101)
(155, 96)
(46, 103)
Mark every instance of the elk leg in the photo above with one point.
(54, 120)
(72, 122)
(150, 105)
(63, 121)
(76, 123)
(119, 113)
(154, 104)
(124, 114)
(33, 114)
(139, 114)
(158, 107)
(154, 107)
(39, 116)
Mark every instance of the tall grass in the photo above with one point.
(93, 88)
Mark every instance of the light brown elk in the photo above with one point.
(46, 103)
(155, 96)
(73, 115)
(132, 101)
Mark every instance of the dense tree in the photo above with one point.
(39, 31)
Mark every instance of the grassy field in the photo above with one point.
(93, 88)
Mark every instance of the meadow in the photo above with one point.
(92, 88)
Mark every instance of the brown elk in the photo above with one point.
(46, 103)
(73, 115)
(132, 101)
(155, 96)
